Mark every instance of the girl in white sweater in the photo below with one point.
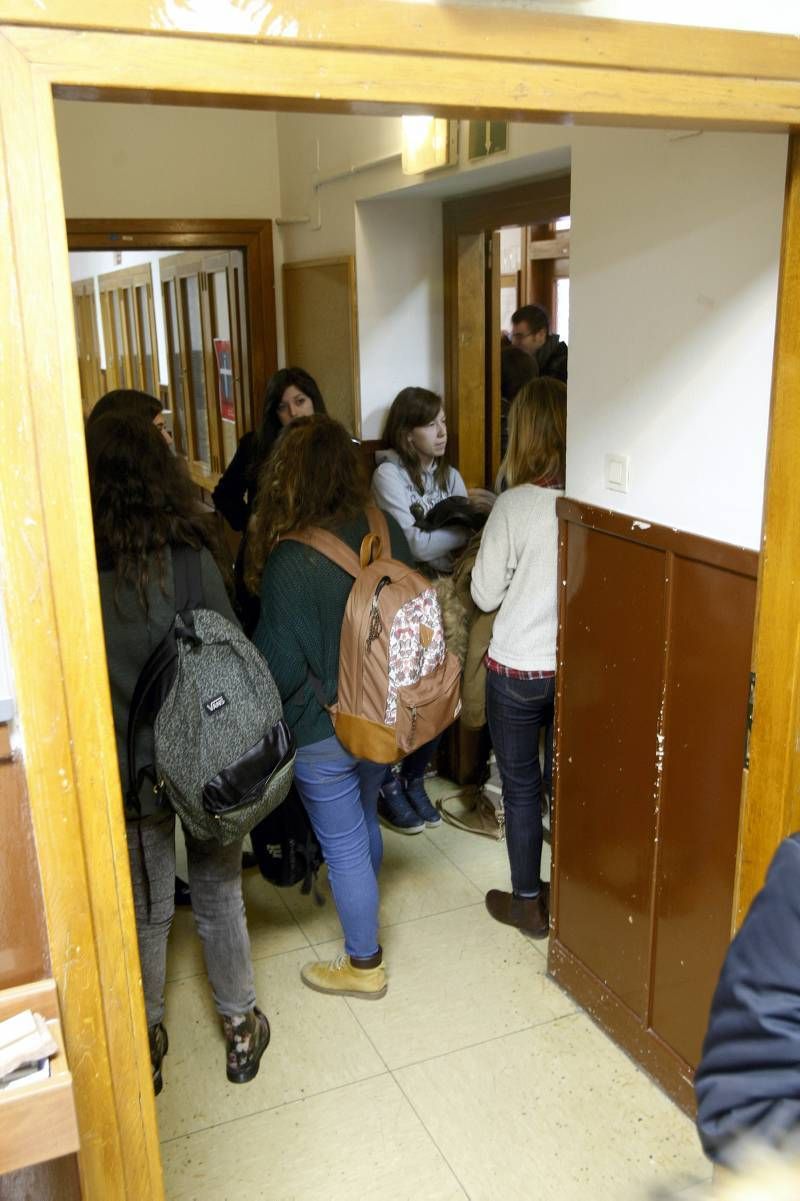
(516, 573)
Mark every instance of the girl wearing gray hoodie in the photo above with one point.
(412, 476)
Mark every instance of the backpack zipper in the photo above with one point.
(375, 623)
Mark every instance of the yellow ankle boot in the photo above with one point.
(343, 977)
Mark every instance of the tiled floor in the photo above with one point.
(475, 1078)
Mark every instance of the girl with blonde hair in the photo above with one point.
(516, 573)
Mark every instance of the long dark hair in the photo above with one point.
(124, 401)
(316, 475)
(271, 427)
(410, 408)
(143, 500)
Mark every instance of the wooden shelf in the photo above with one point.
(37, 1122)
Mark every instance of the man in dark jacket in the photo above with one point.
(530, 330)
(748, 1081)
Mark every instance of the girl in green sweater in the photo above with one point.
(316, 477)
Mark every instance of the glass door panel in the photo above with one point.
(120, 358)
(190, 289)
(147, 349)
(132, 332)
(223, 356)
(175, 367)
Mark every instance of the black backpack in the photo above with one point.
(286, 847)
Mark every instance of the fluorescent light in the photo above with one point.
(428, 143)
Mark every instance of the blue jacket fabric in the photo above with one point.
(748, 1081)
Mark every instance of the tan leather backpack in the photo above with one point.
(398, 683)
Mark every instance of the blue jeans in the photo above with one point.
(340, 794)
(517, 711)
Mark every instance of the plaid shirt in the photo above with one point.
(515, 673)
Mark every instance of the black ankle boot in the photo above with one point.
(246, 1040)
(159, 1045)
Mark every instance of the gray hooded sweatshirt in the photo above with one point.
(395, 493)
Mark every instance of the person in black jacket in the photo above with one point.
(291, 393)
(143, 505)
(748, 1081)
(530, 331)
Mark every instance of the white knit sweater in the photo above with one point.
(516, 570)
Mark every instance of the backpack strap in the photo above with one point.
(328, 545)
(188, 579)
(156, 676)
(380, 526)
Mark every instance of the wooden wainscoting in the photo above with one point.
(656, 630)
(24, 955)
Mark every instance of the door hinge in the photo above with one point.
(748, 725)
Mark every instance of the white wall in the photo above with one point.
(400, 302)
(674, 260)
(131, 160)
(674, 267)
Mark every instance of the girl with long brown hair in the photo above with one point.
(412, 477)
(516, 573)
(413, 474)
(315, 477)
(144, 505)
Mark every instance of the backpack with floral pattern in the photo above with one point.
(399, 686)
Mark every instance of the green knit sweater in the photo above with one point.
(303, 599)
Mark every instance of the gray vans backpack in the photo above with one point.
(224, 755)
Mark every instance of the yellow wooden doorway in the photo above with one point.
(324, 56)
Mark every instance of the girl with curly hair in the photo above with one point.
(315, 477)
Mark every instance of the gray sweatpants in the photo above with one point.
(215, 883)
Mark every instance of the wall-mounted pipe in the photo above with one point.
(358, 169)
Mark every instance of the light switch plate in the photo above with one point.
(617, 476)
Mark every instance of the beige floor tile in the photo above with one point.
(272, 928)
(484, 861)
(362, 1142)
(416, 880)
(456, 979)
(316, 1045)
(555, 1112)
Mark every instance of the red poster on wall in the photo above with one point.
(222, 350)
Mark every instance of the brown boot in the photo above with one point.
(528, 914)
(346, 977)
(246, 1040)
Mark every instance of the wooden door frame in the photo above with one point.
(252, 236)
(331, 57)
(481, 213)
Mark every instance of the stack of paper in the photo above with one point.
(26, 1045)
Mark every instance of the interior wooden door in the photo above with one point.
(88, 343)
(492, 386)
(469, 384)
